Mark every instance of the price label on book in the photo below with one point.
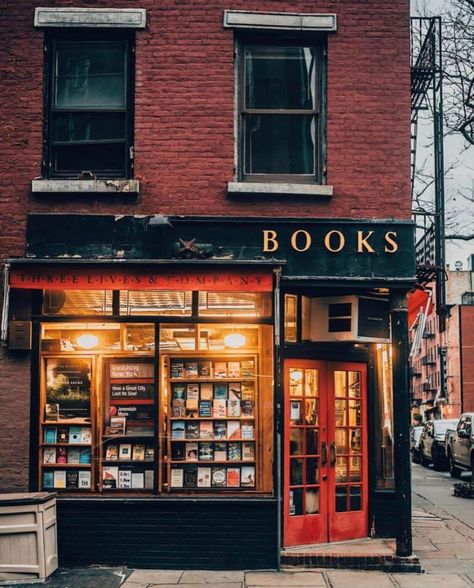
(136, 391)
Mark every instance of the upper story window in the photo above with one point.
(89, 96)
(280, 112)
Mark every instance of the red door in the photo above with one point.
(325, 452)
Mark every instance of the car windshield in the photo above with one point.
(442, 426)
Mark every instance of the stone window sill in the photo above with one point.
(86, 186)
(275, 188)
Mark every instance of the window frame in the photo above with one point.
(319, 44)
(53, 39)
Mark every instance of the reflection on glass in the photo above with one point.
(356, 440)
(311, 382)
(296, 441)
(355, 468)
(355, 498)
(296, 472)
(355, 413)
(311, 441)
(296, 382)
(340, 383)
(341, 440)
(312, 501)
(296, 501)
(311, 411)
(296, 414)
(290, 318)
(354, 384)
(341, 499)
(341, 469)
(312, 470)
(340, 413)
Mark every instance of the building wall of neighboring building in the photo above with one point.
(457, 284)
(452, 408)
(467, 357)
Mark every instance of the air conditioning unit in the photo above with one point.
(350, 318)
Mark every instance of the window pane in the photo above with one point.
(153, 302)
(77, 302)
(279, 77)
(86, 126)
(101, 157)
(279, 144)
(90, 75)
(241, 304)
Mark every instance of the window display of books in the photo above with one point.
(212, 418)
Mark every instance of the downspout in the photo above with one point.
(5, 305)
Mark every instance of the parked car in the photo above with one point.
(460, 446)
(432, 440)
(415, 435)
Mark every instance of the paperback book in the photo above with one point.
(220, 430)
(233, 430)
(125, 479)
(191, 369)
(192, 430)
(206, 391)
(233, 369)
(179, 392)
(247, 431)
(219, 478)
(233, 407)
(177, 477)
(84, 480)
(75, 434)
(138, 452)
(219, 408)
(177, 430)
(204, 477)
(177, 451)
(178, 408)
(204, 369)
(234, 451)
(191, 451)
(48, 479)
(177, 369)
(84, 455)
(60, 479)
(110, 477)
(206, 430)
(73, 455)
(206, 452)
(49, 455)
(138, 480)
(50, 434)
(72, 479)
(220, 451)
(248, 451)
(111, 453)
(190, 477)
(125, 451)
(248, 476)
(220, 391)
(148, 479)
(220, 369)
(205, 408)
(233, 477)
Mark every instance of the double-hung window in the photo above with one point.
(280, 112)
(89, 97)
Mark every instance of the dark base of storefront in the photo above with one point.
(168, 533)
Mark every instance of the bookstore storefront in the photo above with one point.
(213, 404)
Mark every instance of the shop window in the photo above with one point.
(77, 302)
(89, 118)
(155, 302)
(291, 309)
(384, 432)
(280, 112)
(235, 304)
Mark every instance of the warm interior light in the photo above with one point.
(87, 341)
(234, 340)
(296, 375)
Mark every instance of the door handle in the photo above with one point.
(324, 453)
(332, 454)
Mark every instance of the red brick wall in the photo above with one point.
(184, 122)
(467, 358)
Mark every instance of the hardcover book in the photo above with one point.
(220, 451)
(110, 476)
(138, 480)
(49, 455)
(125, 479)
(234, 451)
(220, 430)
(204, 369)
(178, 408)
(206, 430)
(219, 408)
(220, 369)
(177, 477)
(50, 434)
(86, 435)
(233, 477)
(220, 391)
(72, 479)
(247, 431)
(75, 434)
(177, 430)
(177, 451)
(190, 477)
(73, 455)
(191, 451)
(235, 391)
(84, 480)
(63, 434)
(248, 476)
(218, 477)
(179, 392)
(60, 479)
(149, 452)
(192, 430)
(233, 407)
(206, 391)
(138, 452)
(233, 369)
(247, 368)
(204, 477)
(205, 408)
(48, 479)
(148, 479)
(248, 451)
(191, 369)
(84, 455)
(177, 369)
(125, 451)
(206, 452)
(233, 430)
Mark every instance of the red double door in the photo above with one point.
(325, 452)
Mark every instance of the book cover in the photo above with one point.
(86, 435)
(63, 434)
(192, 430)
(177, 477)
(192, 407)
(248, 390)
(84, 455)
(48, 480)
(219, 408)
(178, 408)
(247, 368)
(233, 430)
(73, 455)
(177, 430)
(50, 434)
(148, 479)
(206, 430)
(234, 451)
(177, 451)
(125, 479)
(192, 392)
(233, 477)
(178, 392)
(204, 477)
(138, 480)
(220, 451)
(111, 453)
(125, 451)
(149, 452)
(110, 476)
(204, 369)
(177, 369)
(190, 477)
(233, 369)
(51, 412)
(84, 480)
(248, 476)
(49, 455)
(246, 430)
(138, 452)
(206, 391)
(206, 452)
(248, 451)
(117, 425)
(220, 369)
(218, 477)
(235, 391)
(72, 479)
(233, 407)
(75, 434)
(60, 479)
(191, 369)
(247, 407)
(191, 451)
(220, 430)
(205, 408)
(220, 391)
(61, 455)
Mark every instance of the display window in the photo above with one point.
(157, 406)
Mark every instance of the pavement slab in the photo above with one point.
(155, 576)
(301, 578)
(429, 581)
(203, 577)
(356, 579)
(210, 585)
